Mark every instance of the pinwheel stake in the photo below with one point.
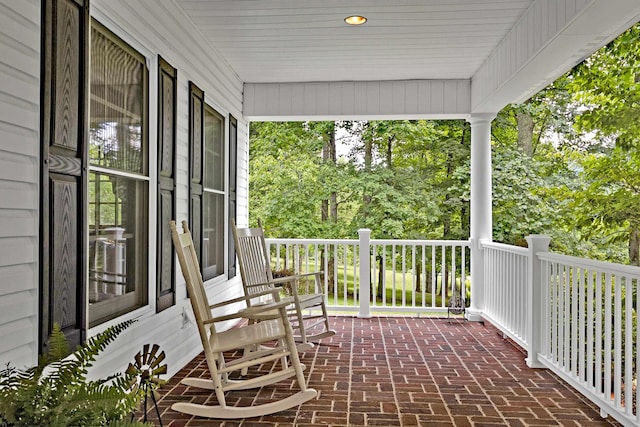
(146, 368)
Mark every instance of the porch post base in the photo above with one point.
(533, 363)
(474, 316)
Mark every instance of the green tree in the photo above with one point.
(607, 88)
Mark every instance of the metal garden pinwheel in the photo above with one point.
(146, 370)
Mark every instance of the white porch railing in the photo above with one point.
(574, 316)
(591, 332)
(404, 276)
(505, 274)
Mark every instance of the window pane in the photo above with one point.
(118, 257)
(117, 108)
(213, 235)
(213, 150)
(118, 205)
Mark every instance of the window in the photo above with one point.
(207, 183)
(118, 211)
(213, 197)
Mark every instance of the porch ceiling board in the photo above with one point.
(506, 49)
(302, 41)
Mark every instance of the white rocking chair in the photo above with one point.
(306, 304)
(247, 337)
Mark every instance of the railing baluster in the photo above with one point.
(598, 334)
(434, 276)
(607, 336)
(617, 327)
(384, 275)
(423, 276)
(628, 344)
(590, 343)
(404, 276)
(413, 275)
(574, 272)
(637, 338)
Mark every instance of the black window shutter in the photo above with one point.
(167, 91)
(64, 86)
(233, 169)
(196, 159)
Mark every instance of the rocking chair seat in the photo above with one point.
(249, 334)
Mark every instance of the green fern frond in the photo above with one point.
(58, 345)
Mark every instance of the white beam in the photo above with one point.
(400, 99)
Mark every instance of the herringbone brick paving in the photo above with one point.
(403, 371)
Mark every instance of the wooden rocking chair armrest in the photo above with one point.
(246, 298)
(247, 313)
(261, 308)
(279, 281)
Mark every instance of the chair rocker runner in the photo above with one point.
(249, 336)
(306, 304)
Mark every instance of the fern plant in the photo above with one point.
(56, 392)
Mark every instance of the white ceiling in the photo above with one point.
(307, 40)
(505, 50)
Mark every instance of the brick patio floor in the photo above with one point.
(403, 371)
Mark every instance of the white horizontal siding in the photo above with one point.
(357, 100)
(242, 202)
(19, 151)
(16, 345)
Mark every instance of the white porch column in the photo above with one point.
(481, 214)
(364, 236)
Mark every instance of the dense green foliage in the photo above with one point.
(56, 392)
(565, 163)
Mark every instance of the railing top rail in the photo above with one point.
(273, 240)
(420, 242)
(504, 247)
(602, 266)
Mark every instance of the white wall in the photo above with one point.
(153, 27)
(19, 176)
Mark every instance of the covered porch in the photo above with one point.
(284, 61)
(406, 371)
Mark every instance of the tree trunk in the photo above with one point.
(324, 208)
(329, 207)
(380, 276)
(333, 158)
(634, 245)
(368, 160)
(389, 150)
(525, 132)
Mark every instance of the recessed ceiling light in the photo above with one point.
(355, 20)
